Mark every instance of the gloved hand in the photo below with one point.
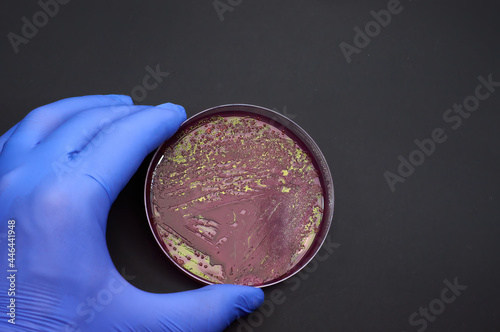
(61, 168)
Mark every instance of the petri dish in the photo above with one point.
(239, 195)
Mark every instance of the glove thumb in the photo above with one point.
(211, 308)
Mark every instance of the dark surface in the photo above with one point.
(396, 248)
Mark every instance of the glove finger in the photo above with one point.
(89, 125)
(42, 121)
(5, 137)
(115, 159)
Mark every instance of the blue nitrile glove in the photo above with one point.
(61, 168)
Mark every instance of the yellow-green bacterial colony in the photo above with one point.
(236, 200)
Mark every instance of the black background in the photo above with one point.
(396, 248)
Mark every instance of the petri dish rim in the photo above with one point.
(303, 139)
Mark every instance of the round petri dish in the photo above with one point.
(239, 195)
